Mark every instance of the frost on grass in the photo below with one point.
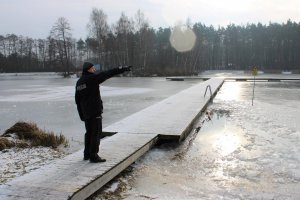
(25, 147)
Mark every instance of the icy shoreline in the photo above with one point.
(16, 162)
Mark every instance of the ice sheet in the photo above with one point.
(60, 93)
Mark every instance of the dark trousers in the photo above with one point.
(92, 137)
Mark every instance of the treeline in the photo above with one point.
(133, 42)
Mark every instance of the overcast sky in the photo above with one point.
(34, 18)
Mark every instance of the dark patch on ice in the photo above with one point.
(189, 140)
(116, 188)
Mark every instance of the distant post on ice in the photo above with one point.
(254, 73)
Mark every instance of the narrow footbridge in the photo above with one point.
(73, 178)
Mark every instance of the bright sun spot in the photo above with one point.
(227, 143)
(230, 91)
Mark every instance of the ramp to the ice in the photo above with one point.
(73, 178)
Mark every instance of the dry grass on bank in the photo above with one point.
(28, 134)
(5, 143)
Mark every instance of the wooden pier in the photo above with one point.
(73, 178)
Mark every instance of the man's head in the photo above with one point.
(92, 70)
(88, 67)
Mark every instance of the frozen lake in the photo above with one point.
(243, 152)
(48, 100)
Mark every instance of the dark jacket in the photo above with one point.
(87, 95)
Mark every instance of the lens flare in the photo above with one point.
(182, 38)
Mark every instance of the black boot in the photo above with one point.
(86, 157)
(96, 159)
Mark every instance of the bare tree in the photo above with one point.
(142, 28)
(12, 43)
(81, 49)
(123, 29)
(72, 52)
(61, 33)
(3, 45)
(42, 44)
(98, 30)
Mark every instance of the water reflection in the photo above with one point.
(230, 91)
(219, 136)
(226, 143)
(199, 168)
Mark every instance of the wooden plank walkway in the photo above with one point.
(171, 117)
(73, 178)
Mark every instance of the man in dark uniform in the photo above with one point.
(90, 106)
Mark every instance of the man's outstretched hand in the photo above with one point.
(128, 68)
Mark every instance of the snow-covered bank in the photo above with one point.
(18, 161)
(25, 147)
